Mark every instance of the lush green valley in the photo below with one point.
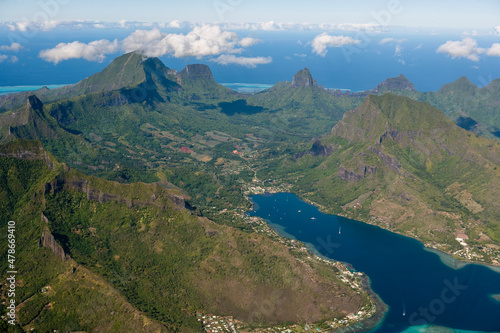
(129, 190)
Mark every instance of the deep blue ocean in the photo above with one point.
(423, 293)
(371, 64)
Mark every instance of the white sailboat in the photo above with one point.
(340, 230)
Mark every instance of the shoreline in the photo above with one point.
(459, 263)
(462, 261)
(381, 308)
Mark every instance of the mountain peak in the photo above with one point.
(391, 114)
(34, 103)
(195, 72)
(461, 85)
(303, 78)
(398, 83)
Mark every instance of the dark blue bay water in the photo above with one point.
(423, 293)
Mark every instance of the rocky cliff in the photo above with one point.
(303, 78)
(50, 242)
(196, 72)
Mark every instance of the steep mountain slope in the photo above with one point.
(301, 106)
(405, 166)
(475, 109)
(90, 246)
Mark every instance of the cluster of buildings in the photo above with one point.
(218, 324)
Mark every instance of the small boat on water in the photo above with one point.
(340, 230)
(299, 211)
(313, 218)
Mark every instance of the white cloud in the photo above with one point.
(494, 50)
(123, 23)
(398, 50)
(249, 41)
(33, 25)
(99, 25)
(12, 47)
(176, 24)
(466, 48)
(387, 40)
(497, 30)
(201, 41)
(206, 40)
(93, 51)
(470, 33)
(250, 62)
(4, 57)
(321, 42)
(372, 27)
(267, 26)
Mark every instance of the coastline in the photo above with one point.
(377, 319)
(455, 263)
(363, 325)
(459, 260)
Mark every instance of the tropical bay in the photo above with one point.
(420, 290)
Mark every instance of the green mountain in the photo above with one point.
(395, 84)
(473, 108)
(143, 219)
(301, 107)
(405, 166)
(100, 256)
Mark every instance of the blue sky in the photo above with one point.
(477, 14)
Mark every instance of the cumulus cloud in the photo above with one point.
(494, 50)
(466, 48)
(12, 59)
(201, 41)
(33, 25)
(12, 47)
(497, 30)
(321, 42)
(250, 62)
(206, 40)
(176, 24)
(93, 51)
(249, 41)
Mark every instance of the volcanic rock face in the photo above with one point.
(195, 72)
(50, 242)
(303, 78)
(351, 176)
(389, 161)
(318, 149)
(400, 83)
